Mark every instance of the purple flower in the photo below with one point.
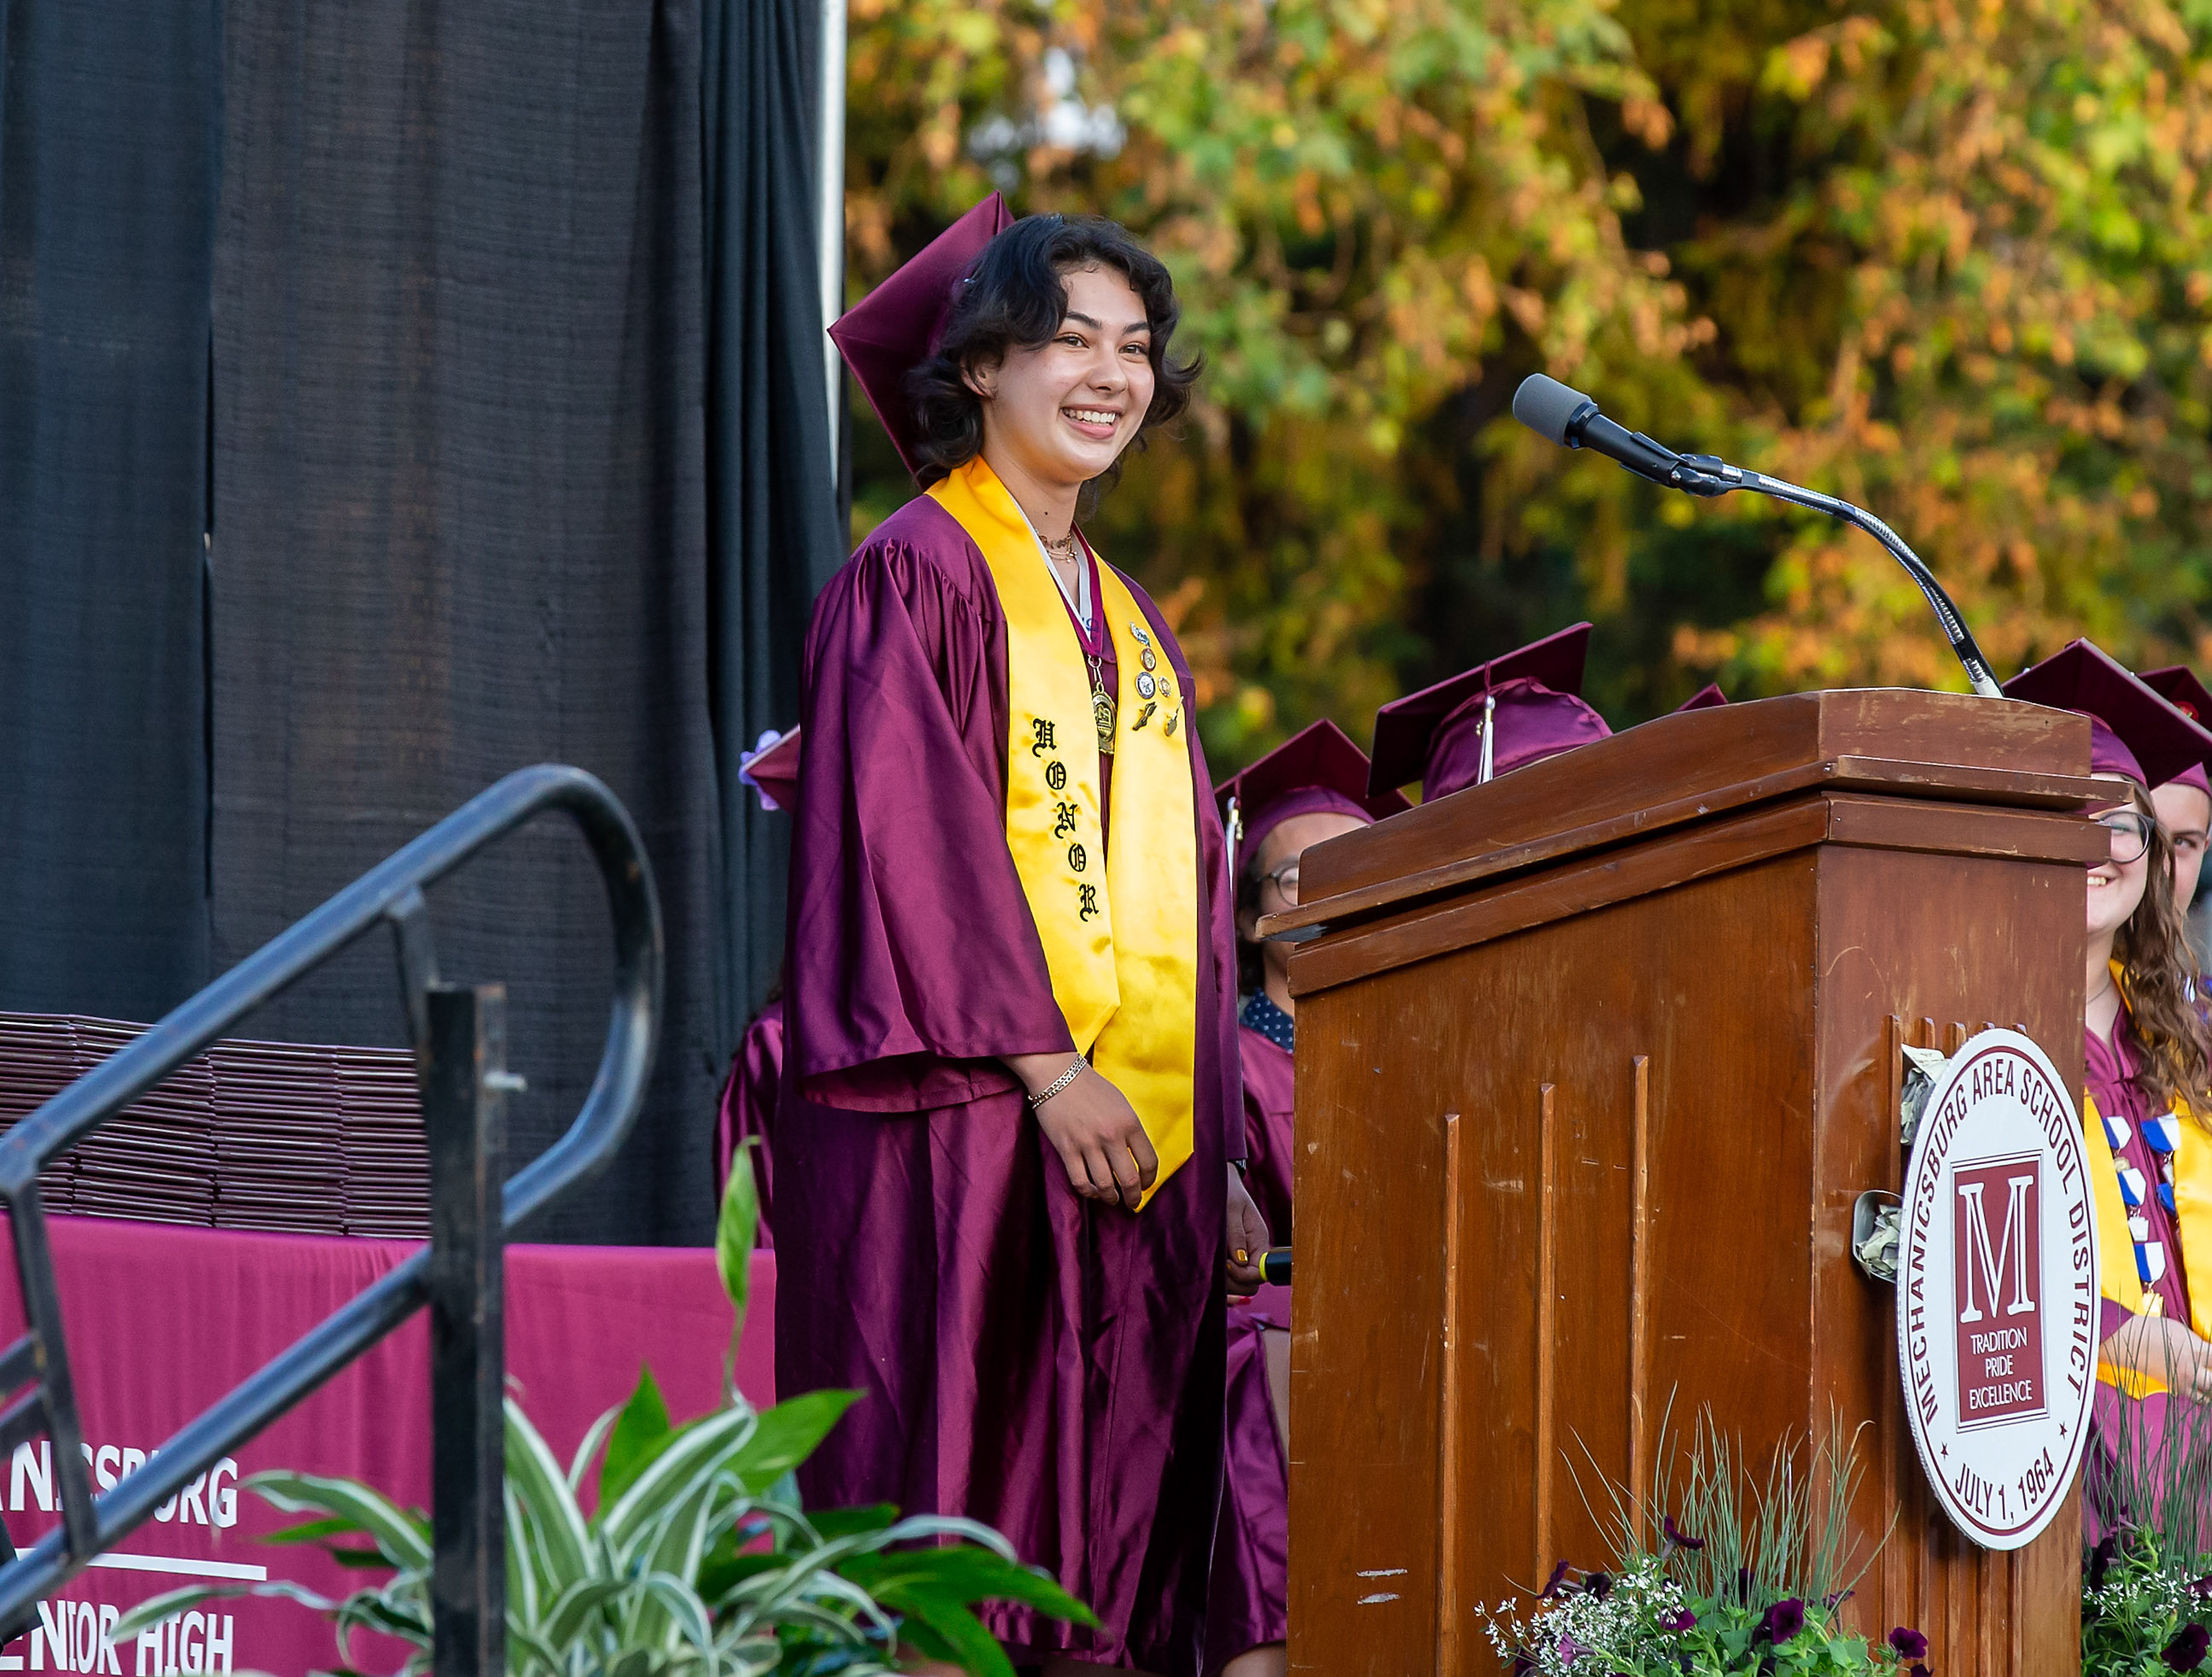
(1570, 1649)
(2101, 1558)
(1909, 1645)
(2202, 1586)
(1552, 1585)
(1599, 1584)
(1743, 1581)
(1918, 1670)
(1676, 1623)
(2186, 1651)
(1782, 1621)
(1677, 1536)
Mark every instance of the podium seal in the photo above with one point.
(1996, 1290)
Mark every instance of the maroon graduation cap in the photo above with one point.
(2178, 685)
(2132, 729)
(1435, 736)
(773, 771)
(1317, 768)
(892, 330)
(1703, 699)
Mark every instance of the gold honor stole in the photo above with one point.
(1121, 933)
(2116, 1248)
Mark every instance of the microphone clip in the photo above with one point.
(1707, 475)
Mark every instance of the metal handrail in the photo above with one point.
(389, 894)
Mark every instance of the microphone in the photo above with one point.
(1572, 420)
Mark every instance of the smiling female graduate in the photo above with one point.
(1005, 1194)
(2147, 1057)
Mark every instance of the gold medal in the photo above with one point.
(1102, 716)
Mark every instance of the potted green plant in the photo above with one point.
(1713, 1577)
(695, 1557)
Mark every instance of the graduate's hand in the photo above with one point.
(1093, 1129)
(1248, 1235)
(2168, 1352)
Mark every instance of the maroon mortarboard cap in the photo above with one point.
(1703, 699)
(772, 769)
(1425, 736)
(2109, 754)
(2178, 685)
(2132, 731)
(1314, 769)
(892, 330)
(1530, 722)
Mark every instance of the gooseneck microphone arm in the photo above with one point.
(1572, 420)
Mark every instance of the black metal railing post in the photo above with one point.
(462, 1063)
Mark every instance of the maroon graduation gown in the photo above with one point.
(1027, 1359)
(2151, 1427)
(1270, 1091)
(1250, 1597)
(748, 1112)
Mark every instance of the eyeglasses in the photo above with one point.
(2130, 835)
(1285, 878)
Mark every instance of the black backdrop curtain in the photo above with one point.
(771, 505)
(459, 500)
(108, 159)
(519, 452)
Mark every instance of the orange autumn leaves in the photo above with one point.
(1949, 259)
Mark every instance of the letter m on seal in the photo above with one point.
(1996, 1281)
(1997, 1270)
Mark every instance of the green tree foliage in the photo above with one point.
(1947, 259)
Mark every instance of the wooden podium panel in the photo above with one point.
(1593, 1063)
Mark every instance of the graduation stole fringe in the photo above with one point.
(1120, 931)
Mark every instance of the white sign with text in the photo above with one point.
(1996, 1290)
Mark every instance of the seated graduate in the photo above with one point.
(1310, 788)
(1006, 1209)
(1515, 710)
(2185, 803)
(747, 1113)
(2147, 1054)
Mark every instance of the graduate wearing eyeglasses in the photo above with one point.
(1308, 790)
(2147, 1052)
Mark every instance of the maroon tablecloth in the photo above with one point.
(161, 1321)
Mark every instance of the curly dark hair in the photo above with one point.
(2161, 985)
(1014, 298)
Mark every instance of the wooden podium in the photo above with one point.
(1593, 1063)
